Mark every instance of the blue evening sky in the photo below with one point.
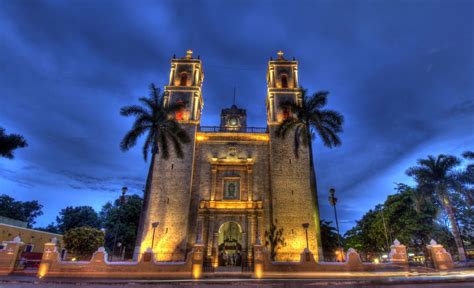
(400, 71)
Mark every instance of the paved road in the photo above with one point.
(29, 282)
(233, 285)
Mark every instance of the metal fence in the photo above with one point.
(212, 129)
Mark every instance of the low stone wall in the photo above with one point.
(99, 267)
(9, 255)
(264, 266)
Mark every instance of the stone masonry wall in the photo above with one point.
(170, 203)
(293, 202)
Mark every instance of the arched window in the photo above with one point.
(286, 114)
(183, 80)
(284, 81)
(180, 113)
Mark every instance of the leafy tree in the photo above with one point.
(409, 217)
(329, 240)
(405, 216)
(274, 239)
(11, 142)
(83, 241)
(26, 211)
(121, 220)
(435, 175)
(465, 179)
(464, 216)
(73, 217)
(52, 228)
(155, 119)
(306, 121)
(364, 237)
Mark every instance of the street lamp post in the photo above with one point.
(333, 201)
(121, 202)
(154, 225)
(385, 227)
(305, 226)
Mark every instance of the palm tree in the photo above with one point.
(8, 143)
(436, 176)
(466, 179)
(329, 239)
(157, 122)
(308, 120)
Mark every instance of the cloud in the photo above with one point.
(68, 68)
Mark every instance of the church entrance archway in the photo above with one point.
(230, 245)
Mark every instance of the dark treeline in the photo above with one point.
(439, 207)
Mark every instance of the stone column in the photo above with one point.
(272, 108)
(195, 107)
(213, 182)
(260, 233)
(252, 230)
(194, 75)
(215, 249)
(199, 232)
(251, 224)
(295, 71)
(250, 196)
(210, 233)
(173, 68)
(244, 247)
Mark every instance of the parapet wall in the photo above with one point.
(99, 267)
(266, 268)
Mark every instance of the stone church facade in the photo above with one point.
(233, 181)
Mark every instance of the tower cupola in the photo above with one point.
(282, 87)
(185, 86)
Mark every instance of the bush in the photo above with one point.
(83, 241)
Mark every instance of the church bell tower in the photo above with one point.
(293, 202)
(165, 225)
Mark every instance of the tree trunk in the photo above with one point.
(146, 200)
(454, 224)
(314, 194)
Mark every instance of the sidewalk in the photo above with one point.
(464, 278)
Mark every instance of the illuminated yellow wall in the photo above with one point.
(293, 202)
(28, 236)
(268, 171)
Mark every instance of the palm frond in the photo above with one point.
(130, 139)
(327, 124)
(468, 155)
(153, 117)
(148, 143)
(134, 110)
(163, 143)
(176, 144)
